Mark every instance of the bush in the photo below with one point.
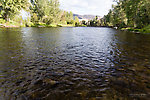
(146, 29)
(47, 20)
(34, 18)
(2, 21)
(59, 25)
(29, 24)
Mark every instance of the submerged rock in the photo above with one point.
(49, 81)
(46, 82)
(43, 68)
(38, 82)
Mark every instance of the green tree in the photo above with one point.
(129, 13)
(34, 18)
(9, 8)
(47, 10)
(69, 17)
(76, 21)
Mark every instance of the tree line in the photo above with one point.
(125, 14)
(44, 12)
(132, 15)
(129, 13)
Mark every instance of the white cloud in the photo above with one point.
(95, 7)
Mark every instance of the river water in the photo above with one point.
(79, 63)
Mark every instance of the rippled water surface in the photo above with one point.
(74, 64)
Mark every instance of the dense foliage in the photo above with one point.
(42, 12)
(126, 14)
(129, 13)
(9, 8)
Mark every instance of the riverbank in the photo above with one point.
(14, 24)
(37, 25)
(6, 25)
(135, 30)
(51, 25)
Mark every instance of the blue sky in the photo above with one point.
(94, 7)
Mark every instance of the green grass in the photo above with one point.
(2, 21)
(30, 24)
(51, 25)
(146, 29)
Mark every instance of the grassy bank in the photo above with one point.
(3, 23)
(11, 23)
(15, 24)
(146, 29)
(50, 25)
(24, 23)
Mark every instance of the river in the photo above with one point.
(73, 63)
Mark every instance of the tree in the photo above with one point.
(131, 13)
(95, 22)
(34, 18)
(46, 10)
(9, 8)
(76, 21)
(69, 17)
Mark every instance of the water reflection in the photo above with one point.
(11, 57)
(73, 63)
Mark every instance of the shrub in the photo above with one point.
(2, 21)
(47, 20)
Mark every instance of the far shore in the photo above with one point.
(52, 25)
(8, 26)
(138, 31)
(40, 25)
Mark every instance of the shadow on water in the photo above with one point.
(73, 63)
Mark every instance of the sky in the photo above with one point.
(93, 7)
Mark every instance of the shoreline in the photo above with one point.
(8, 26)
(40, 26)
(136, 31)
